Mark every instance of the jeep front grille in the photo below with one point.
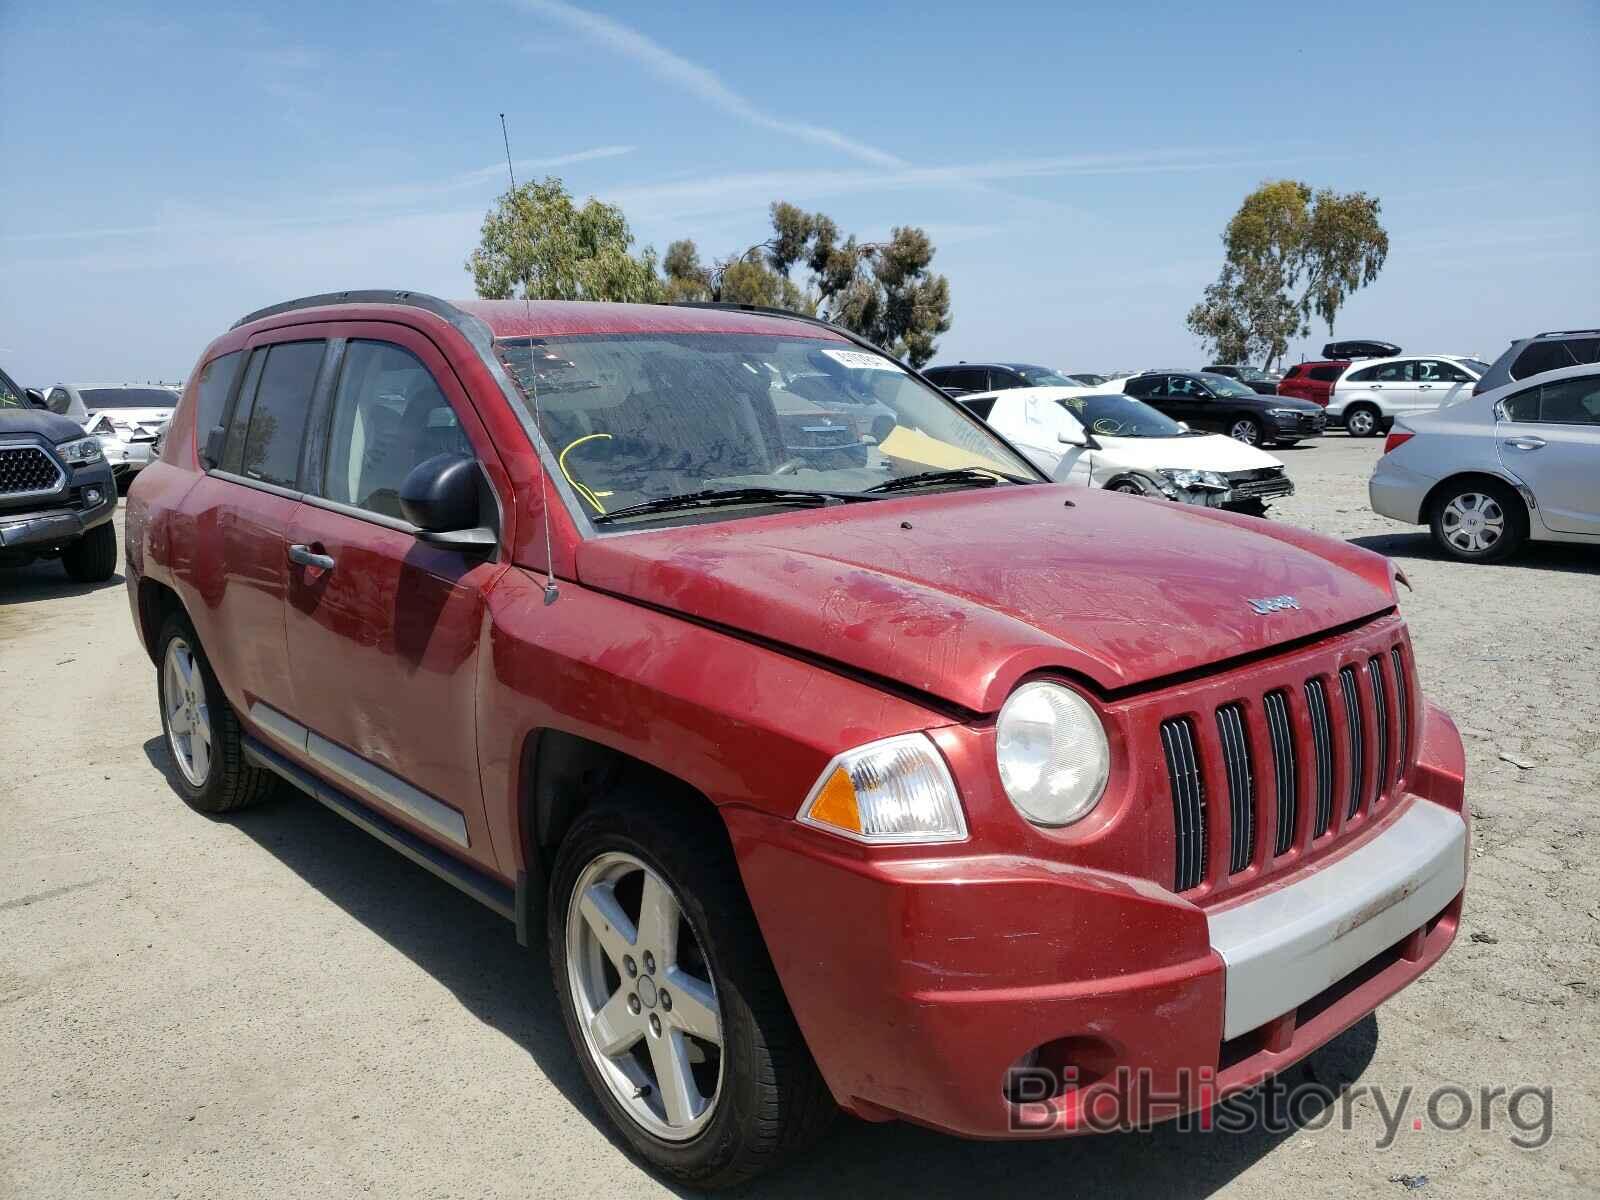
(1330, 764)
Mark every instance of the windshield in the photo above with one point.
(98, 398)
(11, 396)
(639, 417)
(1042, 376)
(1223, 386)
(1087, 378)
(1112, 415)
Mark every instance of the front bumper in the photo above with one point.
(921, 983)
(1307, 425)
(52, 522)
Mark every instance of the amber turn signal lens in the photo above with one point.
(836, 803)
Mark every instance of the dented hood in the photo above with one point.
(959, 595)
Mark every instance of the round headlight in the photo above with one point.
(1052, 751)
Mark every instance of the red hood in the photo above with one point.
(986, 586)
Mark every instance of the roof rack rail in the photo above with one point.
(1565, 332)
(433, 304)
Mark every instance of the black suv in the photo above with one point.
(1227, 406)
(1542, 352)
(56, 492)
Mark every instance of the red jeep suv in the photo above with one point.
(865, 770)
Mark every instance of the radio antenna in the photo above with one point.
(552, 593)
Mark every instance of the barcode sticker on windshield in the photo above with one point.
(860, 360)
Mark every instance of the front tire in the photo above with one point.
(93, 557)
(1247, 430)
(1478, 521)
(670, 998)
(1362, 420)
(202, 733)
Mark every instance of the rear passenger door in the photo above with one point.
(1548, 436)
(384, 629)
(234, 585)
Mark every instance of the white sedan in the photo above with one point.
(1094, 438)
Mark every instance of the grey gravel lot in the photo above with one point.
(275, 1005)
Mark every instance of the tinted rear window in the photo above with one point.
(211, 393)
(1292, 371)
(1553, 355)
(272, 443)
(1325, 374)
(97, 398)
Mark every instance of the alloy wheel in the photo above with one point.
(1473, 523)
(642, 992)
(1245, 431)
(183, 694)
(1359, 423)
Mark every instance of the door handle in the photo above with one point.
(307, 557)
(1525, 443)
(1424, 386)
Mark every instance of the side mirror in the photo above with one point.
(1072, 437)
(35, 397)
(1183, 425)
(444, 498)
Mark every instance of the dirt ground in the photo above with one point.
(276, 1005)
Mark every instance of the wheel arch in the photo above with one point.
(157, 602)
(1460, 478)
(562, 775)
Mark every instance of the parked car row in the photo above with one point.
(783, 742)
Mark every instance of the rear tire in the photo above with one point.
(1478, 520)
(1362, 420)
(768, 1100)
(93, 557)
(202, 732)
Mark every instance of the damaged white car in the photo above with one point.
(1093, 438)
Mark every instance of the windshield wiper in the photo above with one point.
(982, 476)
(726, 497)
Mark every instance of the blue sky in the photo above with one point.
(173, 166)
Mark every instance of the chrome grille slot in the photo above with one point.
(1355, 736)
(1322, 744)
(1402, 697)
(1241, 786)
(1381, 747)
(1284, 767)
(1188, 802)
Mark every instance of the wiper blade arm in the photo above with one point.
(983, 476)
(724, 497)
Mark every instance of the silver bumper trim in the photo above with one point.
(1284, 947)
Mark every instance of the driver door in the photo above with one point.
(384, 629)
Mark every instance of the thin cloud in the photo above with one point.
(699, 81)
